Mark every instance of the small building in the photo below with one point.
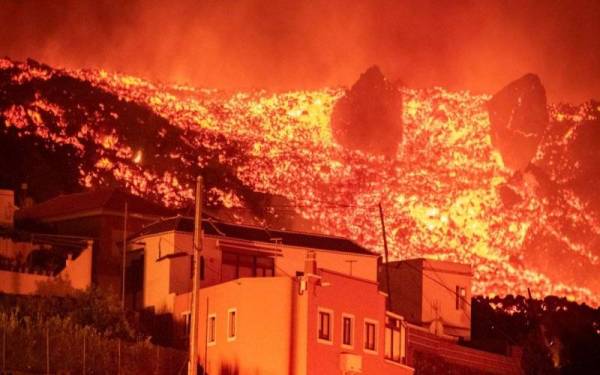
(266, 307)
(31, 263)
(229, 252)
(324, 322)
(97, 214)
(431, 294)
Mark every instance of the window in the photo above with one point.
(394, 339)
(231, 324)
(461, 298)
(192, 267)
(245, 266)
(187, 322)
(370, 336)
(324, 324)
(347, 330)
(234, 265)
(211, 332)
(265, 266)
(201, 267)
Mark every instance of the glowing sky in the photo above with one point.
(475, 45)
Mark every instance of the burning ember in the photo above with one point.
(444, 194)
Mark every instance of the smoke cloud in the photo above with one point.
(473, 45)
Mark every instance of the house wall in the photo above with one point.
(290, 261)
(440, 300)
(362, 266)
(157, 272)
(263, 344)
(300, 334)
(15, 250)
(406, 288)
(108, 230)
(212, 259)
(21, 283)
(360, 298)
(180, 274)
(277, 325)
(77, 274)
(167, 279)
(79, 270)
(425, 290)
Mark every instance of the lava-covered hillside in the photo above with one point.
(446, 194)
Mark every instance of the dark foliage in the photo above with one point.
(556, 335)
(91, 308)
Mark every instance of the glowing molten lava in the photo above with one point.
(441, 194)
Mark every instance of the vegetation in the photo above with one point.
(92, 308)
(557, 336)
(82, 331)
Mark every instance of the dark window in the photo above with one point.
(187, 321)
(231, 324)
(461, 298)
(370, 336)
(235, 265)
(212, 329)
(245, 266)
(265, 266)
(393, 339)
(201, 267)
(324, 325)
(347, 330)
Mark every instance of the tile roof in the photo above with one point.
(258, 234)
(102, 199)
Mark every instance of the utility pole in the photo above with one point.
(124, 265)
(47, 349)
(387, 265)
(197, 247)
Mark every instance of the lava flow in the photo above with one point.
(443, 194)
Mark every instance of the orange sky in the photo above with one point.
(475, 45)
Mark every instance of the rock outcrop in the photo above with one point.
(518, 117)
(369, 116)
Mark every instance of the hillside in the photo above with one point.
(271, 158)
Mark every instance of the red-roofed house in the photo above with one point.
(98, 214)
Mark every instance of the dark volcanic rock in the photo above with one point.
(369, 116)
(518, 117)
(575, 162)
(50, 167)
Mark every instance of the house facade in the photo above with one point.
(278, 302)
(97, 214)
(299, 325)
(31, 263)
(431, 294)
(231, 252)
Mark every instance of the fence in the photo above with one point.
(56, 346)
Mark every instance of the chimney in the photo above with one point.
(7, 208)
(310, 263)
